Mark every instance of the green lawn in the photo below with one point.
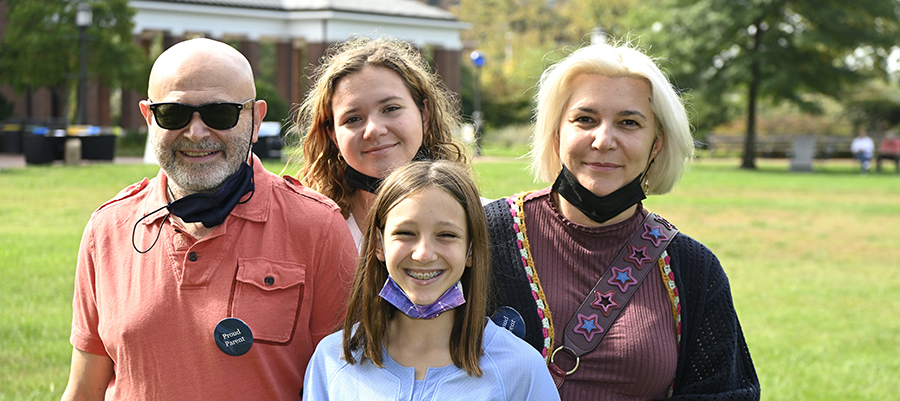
(809, 257)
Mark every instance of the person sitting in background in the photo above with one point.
(863, 148)
(889, 149)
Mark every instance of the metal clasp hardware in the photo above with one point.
(577, 358)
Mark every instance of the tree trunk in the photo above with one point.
(59, 110)
(749, 161)
(29, 108)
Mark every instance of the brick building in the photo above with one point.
(292, 33)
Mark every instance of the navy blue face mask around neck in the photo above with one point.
(212, 209)
(209, 209)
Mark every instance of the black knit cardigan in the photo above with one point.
(713, 360)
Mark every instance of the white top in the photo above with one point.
(863, 145)
(355, 232)
(511, 370)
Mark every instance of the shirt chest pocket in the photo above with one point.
(267, 296)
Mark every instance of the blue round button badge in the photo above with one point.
(510, 319)
(233, 336)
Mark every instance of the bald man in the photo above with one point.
(215, 279)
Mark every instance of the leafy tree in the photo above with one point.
(584, 16)
(40, 46)
(517, 38)
(775, 50)
(874, 106)
(520, 38)
(277, 108)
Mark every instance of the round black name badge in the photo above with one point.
(508, 318)
(233, 336)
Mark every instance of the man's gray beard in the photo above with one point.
(190, 178)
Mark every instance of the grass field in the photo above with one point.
(812, 259)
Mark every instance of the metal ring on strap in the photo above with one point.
(577, 358)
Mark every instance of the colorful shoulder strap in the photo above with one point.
(613, 291)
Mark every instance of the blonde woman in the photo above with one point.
(621, 304)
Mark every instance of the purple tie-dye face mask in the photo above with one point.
(450, 299)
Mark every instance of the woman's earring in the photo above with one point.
(341, 158)
(646, 184)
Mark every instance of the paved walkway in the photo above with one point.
(12, 160)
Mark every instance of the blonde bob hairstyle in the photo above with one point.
(322, 169)
(373, 312)
(618, 61)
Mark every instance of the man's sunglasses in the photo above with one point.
(215, 115)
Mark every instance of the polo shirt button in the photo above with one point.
(270, 280)
(192, 256)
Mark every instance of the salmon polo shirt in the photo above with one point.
(282, 262)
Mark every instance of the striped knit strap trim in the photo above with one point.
(665, 268)
(517, 209)
(668, 277)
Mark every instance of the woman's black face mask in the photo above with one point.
(602, 208)
(598, 208)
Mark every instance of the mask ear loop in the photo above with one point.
(250, 150)
(158, 232)
(645, 185)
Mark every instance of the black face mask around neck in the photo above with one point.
(212, 209)
(209, 209)
(371, 184)
(361, 181)
(598, 208)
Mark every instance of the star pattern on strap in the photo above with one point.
(638, 255)
(606, 302)
(659, 219)
(654, 234)
(587, 326)
(622, 278)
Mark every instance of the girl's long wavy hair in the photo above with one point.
(313, 121)
(373, 312)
